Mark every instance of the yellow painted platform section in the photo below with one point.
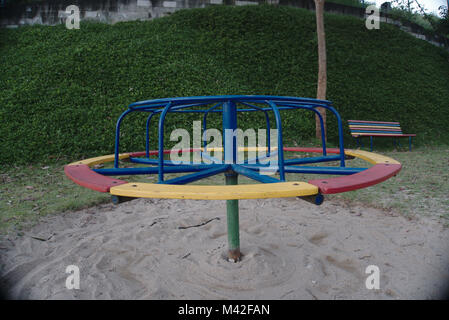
(371, 157)
(103, 159)
(242, 191)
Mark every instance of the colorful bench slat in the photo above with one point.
(361, 128)
(197, 192)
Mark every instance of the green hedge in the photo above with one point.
(62, 90)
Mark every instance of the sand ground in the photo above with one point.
(154, 249)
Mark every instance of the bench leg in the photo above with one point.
(371, 142)
(409, 143)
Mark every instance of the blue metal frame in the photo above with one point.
(147, 140)
(229, 106)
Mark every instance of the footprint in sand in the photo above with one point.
(318, 238)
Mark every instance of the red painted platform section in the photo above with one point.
(86, 177)
(374, 175)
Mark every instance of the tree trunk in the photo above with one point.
(322, 61)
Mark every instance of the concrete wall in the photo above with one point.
(51, 12)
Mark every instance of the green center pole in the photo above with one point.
(230, 157)
(232, 210)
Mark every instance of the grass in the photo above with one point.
(61, 90)
(30, 192)
(420, 189)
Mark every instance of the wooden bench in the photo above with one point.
(360, 128)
